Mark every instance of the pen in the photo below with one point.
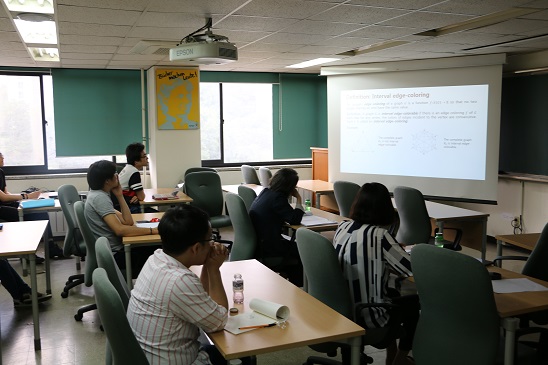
(257, 326)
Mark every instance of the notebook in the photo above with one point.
(165, 196)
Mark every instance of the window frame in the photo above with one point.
(220, 162)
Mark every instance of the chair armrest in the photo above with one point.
(502, 258)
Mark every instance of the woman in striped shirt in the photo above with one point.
(366, 252)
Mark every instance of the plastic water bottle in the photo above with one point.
(307, 205)
(438, 240)
(238, 289)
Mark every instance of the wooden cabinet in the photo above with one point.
(320, 171)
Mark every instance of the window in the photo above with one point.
(236, 122)
(28, 127)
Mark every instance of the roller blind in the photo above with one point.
(97, 112)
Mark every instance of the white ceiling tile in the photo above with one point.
(426, 20)
(86, 49)
(348, 42)
(86, 56)
(292, 9)
(169, 19)
(96, 16)
(322, 28)
(89, 40)
(358, 14)
(396, 4)
(383, 32)
(66, 28)
(325, 50)
(138, 5)
(253, 23)
(271, 47)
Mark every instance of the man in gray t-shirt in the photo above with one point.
(105, 221)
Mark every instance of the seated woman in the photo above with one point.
(366, 251)
(270, 211)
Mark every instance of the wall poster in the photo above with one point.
(178, 98)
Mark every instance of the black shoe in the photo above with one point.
(39, 260)
(55, 251)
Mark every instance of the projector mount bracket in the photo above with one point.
(206, 37)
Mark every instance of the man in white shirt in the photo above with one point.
(130, 178)
(169, 303)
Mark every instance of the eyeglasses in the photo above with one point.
(144, 156)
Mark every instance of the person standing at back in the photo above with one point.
(130, 178)
(270, 211)
(367, 251)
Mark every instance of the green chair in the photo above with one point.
(91, 258)
(345, 193)
(124, 346)
(536, 267)
(205, 189)
(247, 194)
(264, 176)
(194, 169)
(459, 323)
(326, 283)
(74, 242)
(245, 238)
(250, 175)
(415, 226)
(105, 260)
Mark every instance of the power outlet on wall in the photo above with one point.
(516, 221)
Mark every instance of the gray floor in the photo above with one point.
(65, 341)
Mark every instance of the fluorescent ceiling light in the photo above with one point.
(372, 48)
(480, 22)
(37, 32)
(532, 70)
(32, 6)
(314, 62)
(44, 54)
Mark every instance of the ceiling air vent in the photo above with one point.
(151, 47)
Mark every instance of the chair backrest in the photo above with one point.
(247, 194)
(250, 175)
(204, 187)
(415, 226)
(323, 271)
(105, 260)
(123, 344)
(74, 242)
(199, 169)
(536, 263)
(89, 239)
(459, 323)
(264, 176)
(345, 193)
(245, 238)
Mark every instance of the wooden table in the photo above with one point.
(527, 241)
(139, 240)
(323, 227)
(510, 305)
(55, 208)
(182, 198)
(310, 321)
(318, 187)
(21, 239)
(234, 188)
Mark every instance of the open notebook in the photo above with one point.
(165, 196)
(264, 313)
(314, 220)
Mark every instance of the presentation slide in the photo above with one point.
(435, 132)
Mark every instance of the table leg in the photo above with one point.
(510, 325)
(355, 350)
(34, 294)
(499, 251)
(47, 263)
(127, 250)
(318, 195)
(484, 239)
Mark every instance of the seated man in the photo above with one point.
(130, 178)
(8, 212)
(169, 303)
(105, 221)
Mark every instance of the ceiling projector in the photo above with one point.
(205, 49)
(205, 53)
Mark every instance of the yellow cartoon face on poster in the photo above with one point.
(178, 98)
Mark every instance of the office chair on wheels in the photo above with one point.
(327, 284)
